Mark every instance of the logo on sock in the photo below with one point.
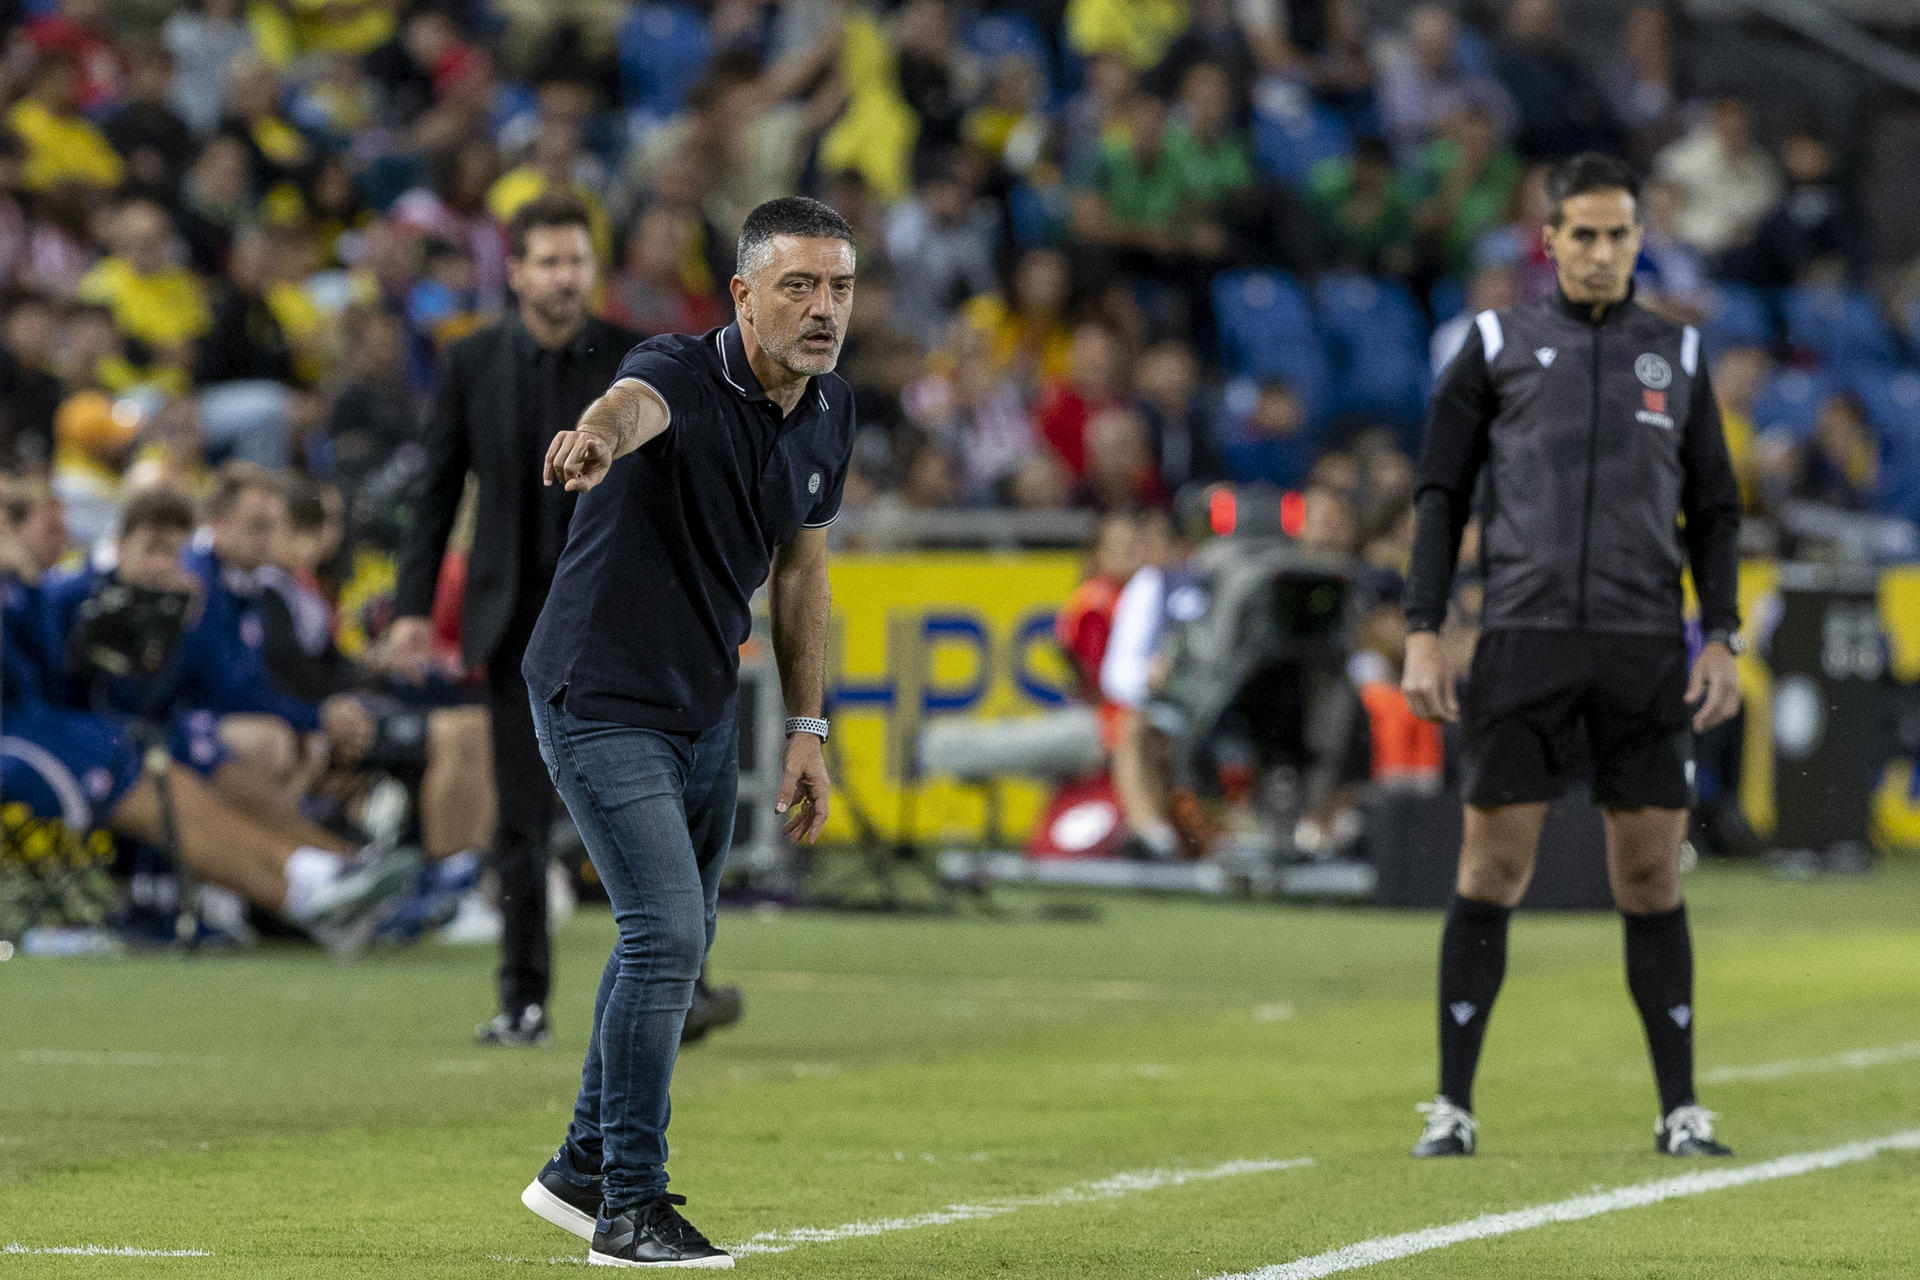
(1463, 1011)
(1682, 1014)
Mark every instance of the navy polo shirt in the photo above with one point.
(650, 603)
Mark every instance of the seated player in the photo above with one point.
(84, 769)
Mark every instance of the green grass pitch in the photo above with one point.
(293, 1118)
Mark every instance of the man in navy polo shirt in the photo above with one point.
(711, 463)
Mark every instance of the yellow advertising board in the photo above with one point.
(986, 621)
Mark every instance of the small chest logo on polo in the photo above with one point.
(813, 483)
(1653, 371)
(1545, 356)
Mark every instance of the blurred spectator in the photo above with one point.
(1490, 289)
(1094, 383)
(929, 474)
(1137, 31)
(1464, 184)
(1167, 386)
(1085, 621)
(1672, 275)
(979, 412)
(1120, 471)
(1240, 44)
(1129, 193)
(1424, 81)
(1812, 228)
(1739, 376)
(941, 244)
(374, 411)
(664, 284)
(154, 300)
(1029, 327)
(455, 208)
(75, 28)
(1406, 749)
(938, 75)
(216, 202)
(204, 37)
(1204, 133)
(1727, 182)
(1272, 442)
(279, 152)
(1107, 85)
(62, 146)
(155, 143)
(1841, 463)
(16, 237)
(29, 392)
(554, 166)
(1643, 84)
(1364, 211)
(39, 521)
(1009, 125)
(1561, 112)
(92, 438)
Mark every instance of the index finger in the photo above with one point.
(554, 450)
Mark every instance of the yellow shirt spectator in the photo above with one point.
(166, 308)
(1038, 350)
(63, 149)
(526, 183)
(1140, 31)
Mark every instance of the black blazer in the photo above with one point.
(474, 426)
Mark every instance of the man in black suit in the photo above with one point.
(504, 393)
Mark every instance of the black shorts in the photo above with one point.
(1541, 707)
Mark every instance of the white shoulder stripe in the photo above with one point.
(1490, 335)
(1690, 350)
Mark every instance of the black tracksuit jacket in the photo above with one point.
(1597, 438)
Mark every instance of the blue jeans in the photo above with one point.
(655, 810)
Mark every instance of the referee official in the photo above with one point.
(1592, 423)
(711, 462)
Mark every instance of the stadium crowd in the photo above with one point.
(1109, 249)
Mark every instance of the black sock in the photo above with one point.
(1473, 961)
(1660, 976)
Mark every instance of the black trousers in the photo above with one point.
(525, 797)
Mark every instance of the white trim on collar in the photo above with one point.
(726, 371)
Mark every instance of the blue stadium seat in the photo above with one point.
(663, 50)
(1267, 330)
(1791, 401)
(1377, 344)
(1891, 398)
(1843, 325)
(1738, 315)
(1286, 145)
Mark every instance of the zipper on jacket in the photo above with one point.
(1586, 507)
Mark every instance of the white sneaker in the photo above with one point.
(1449, 1131)
(478, 923)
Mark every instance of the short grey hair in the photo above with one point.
(787, 216)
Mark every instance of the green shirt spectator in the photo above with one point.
(1464, 183)
(1364, 210)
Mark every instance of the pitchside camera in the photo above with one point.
(124, 631)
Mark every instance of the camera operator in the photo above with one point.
(85, 769)
(205, 676)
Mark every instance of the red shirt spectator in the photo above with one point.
(75, 29)
(1092, 384)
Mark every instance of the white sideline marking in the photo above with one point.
(1120, 1184)
(1388, 1248)
(1852, 1060)
(107, 1251)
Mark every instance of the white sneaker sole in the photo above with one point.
(719, 1262)
(551, 1208)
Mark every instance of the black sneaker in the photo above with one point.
(1688, 1131)
(509, 1030)
(1449, 1131)
(560, 1200)
(713, 1008)
(653, 1234)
